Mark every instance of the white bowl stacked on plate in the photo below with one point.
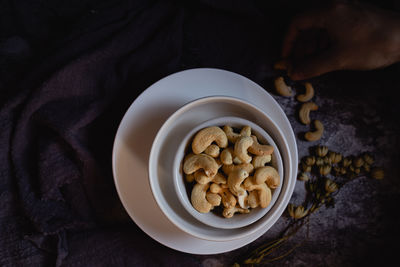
(211, 218)
(167, 146)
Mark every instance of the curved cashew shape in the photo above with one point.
(282, 88)
(241, 147)
(200, 161)
(212, 150)
(252, 199)
(206, 136)
(198, 198)
(235, 179)
(267, 175)
(258, 149)
(242, 199)
(317, 134)
(229, 212)
(202, 178)
(260, 161)
(232, 136)
(304, 113)
(228, 199)
(308, 94)
(213, 198)
(264, 193)
(248, 167)
(226, 156)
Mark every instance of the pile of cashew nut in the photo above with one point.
(304, 114)
(229, 170)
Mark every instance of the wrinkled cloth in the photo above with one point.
(65, 84)
(68, 73)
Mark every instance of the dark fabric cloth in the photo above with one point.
(68, 72)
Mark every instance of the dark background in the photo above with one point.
(70, 69)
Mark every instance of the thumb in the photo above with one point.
(316, 65)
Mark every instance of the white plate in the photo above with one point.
(140, 125)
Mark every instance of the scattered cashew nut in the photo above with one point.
(317, 134)
(308, 95)
(200, 161)
(206, 136)
(267, 175)
(282, 88)
(304, 113)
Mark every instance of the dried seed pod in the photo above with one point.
(325, 169)
(377, 173)
(336, 170)
(368, 158)
(296, 213)
(330, 186)
(357, 170)
(327, 160)
(310, 160)
(321, 151)
(303, 177)
(334, 157)
(366, 167)
(305, 167)
(319, 161)
(343, 171)
(346, 162)
(358, 162)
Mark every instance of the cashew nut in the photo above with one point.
(308, 94)
(258, 149)
(317, 134)
(202, 178)
(304, 113)
(227, 156)
(264, 193)
(213, 198)
(206, 136)
(229, 212)
(235, 179)
(252, 199)
(282, 88)
(241, 147)
(241, 199)
(232, 136)
(212, 150)
(228, 199)
(198, 198)
(201, 161)
(267, 174)
(260, 161)
(248, 167)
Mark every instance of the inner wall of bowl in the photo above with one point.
(164, 189)
(214, 218)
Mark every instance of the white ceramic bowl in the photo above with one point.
(165, 147)
(212, 218)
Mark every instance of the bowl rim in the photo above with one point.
(282, 197)
(180, 184)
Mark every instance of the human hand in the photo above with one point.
(342, 36)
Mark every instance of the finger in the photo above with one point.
(316, 65)
(300, 23)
